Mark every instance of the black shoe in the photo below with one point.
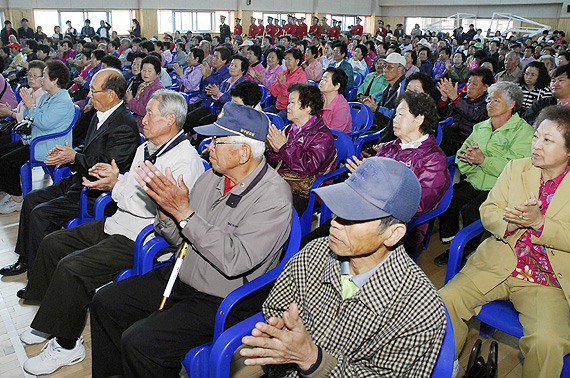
(442, 259)
(21, 293)
(14, 269)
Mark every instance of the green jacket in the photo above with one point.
(378, 85)
(508, 142)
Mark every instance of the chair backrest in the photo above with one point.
(350, 93)
(276, 120)
(17, 92)
(362, 118)
(263, 94)
(444, 365)
(344, 146)
(173, 76)
(203, 144)
(358, 79)
(312, 82)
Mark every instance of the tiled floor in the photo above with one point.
(15, 316)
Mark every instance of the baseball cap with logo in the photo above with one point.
(236, 119)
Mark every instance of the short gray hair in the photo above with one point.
(257, 146)
(510, 92)
(171, 102)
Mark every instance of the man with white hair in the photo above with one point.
(235, 219)
(71, 264)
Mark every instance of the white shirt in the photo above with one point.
(102, 116)
(413, 144)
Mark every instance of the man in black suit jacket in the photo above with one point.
(224, 29)
(112, 135)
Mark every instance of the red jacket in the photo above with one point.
(310, 152)
(302, 30)
(334, 32)
(280, 91)
(238, 29)
(315, 29)
(271, 30)
(252, 32)
(357, 30)
(260, 30)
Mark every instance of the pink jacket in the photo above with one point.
(281, 92)
(314, 70)
(138, 106)
(337, 114)
(270, 76)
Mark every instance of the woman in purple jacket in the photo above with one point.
(305, 149)
(415, 126)
(150, 69)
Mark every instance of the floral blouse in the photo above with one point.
(533, 264)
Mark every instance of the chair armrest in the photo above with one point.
(458, 246)
(100, 204)
(227, 343)
(363, 139)
(60, 172)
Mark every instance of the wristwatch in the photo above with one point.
(185, 221)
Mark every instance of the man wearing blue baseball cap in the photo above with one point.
(354, 304)
(236, 219)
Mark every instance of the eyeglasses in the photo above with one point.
(93, 92)
(387, 67)
(215, 142)
(32, 76)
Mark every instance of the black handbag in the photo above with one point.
(6, 125)
(24, 127)
(477, 367)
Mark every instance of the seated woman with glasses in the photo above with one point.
(34, 75)
(51, 114)
(304, 150)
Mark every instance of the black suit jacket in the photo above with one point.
(118, 138)
(224, 32)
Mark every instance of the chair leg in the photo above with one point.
(26, 178)
(486, 330)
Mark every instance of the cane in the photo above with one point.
(174, 274)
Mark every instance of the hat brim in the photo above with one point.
(348, 204)
(214, 129)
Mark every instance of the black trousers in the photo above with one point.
(44, 211)
(466, 200)
(131, 337)
(195, 114)
(452, 141)
(12, 156)
(69, 266)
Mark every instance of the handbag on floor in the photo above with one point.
(478, 367)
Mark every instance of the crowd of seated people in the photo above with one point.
(493, 88)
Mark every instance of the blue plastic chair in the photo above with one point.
(271, 100)
(263, 94)
(312, 82)
(362, 119)
(497, 314)
(350, 93)
(173, 76)
(440, 209)
(358, 79)
(26, 168)
(344, 150)
(359, 142)
(17, 92)
(203, 145)
(276, 120)
(446, 122)
(98, 208)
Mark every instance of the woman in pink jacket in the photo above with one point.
(294, 74)
(336, 112)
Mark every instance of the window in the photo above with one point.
(76, 18)
(47, 19)
(165, 21)
(347, 21)
(449, 25)
(121, 21)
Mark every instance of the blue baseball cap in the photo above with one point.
(236, 119)
(379, 187)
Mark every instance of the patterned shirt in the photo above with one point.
(393, 326)
(533, 264)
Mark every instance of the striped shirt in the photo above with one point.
(530, 96)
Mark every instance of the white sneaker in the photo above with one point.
(9, 206)
(53, 357)
(32, 336)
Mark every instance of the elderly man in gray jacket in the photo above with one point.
(236, 220)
